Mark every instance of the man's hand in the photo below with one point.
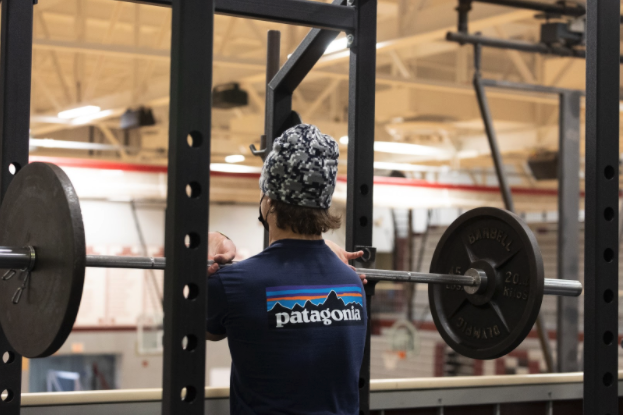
(215, 337)
(346, 256)
(220, 249)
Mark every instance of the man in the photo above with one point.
(294, 315)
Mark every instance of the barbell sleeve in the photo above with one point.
(16, 258)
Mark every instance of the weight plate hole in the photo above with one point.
(8, 357)
(363, 221)
(188, 394)
(6, 395)
(608, 255)
(189, 342)
(193, 190)
(609, 172)
(608, 337)
(14, 168)
(608, 296)
(607, 379)
(609, 214)
(194, 139)
(191, 291)
(191, 240)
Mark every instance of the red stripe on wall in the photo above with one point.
(388, 181)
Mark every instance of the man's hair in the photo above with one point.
(304, 220)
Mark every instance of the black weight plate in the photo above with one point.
(41, 209)
(491, 324)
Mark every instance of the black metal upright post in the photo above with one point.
(568, 226)
(360, 170)
(15, 78)
(601, 259)
(188, 197)
(273, 54)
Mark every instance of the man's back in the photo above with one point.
(295, 320)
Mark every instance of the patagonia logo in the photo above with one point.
(300, 306)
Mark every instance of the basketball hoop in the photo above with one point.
(404, 342)
(391, 359)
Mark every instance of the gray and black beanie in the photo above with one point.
(301, 168)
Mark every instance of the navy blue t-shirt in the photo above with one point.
(295, 320)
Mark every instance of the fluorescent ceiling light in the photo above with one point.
(383, 165)
(79, 112)
(400, 148)
(234, 168)
(336, 45)
(71, 145)
(234, 158)
(88, 118)
(405, 148)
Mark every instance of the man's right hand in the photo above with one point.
(346, 256)
(220, 249)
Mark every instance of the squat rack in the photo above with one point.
(189, 156)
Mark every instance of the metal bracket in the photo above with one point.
(255, 151)
(369, 256)
(261, 152)
(350, 38)
(368, 260)
(463, 9)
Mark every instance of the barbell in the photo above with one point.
(486, 280)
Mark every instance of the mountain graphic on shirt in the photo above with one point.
(332, 310)
(289, 296)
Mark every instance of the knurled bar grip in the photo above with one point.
(22, 258)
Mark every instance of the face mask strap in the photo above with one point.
(261, 218)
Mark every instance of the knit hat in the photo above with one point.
(302, 167)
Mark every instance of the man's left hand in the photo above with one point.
(346, 256)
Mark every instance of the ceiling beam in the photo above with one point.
(131, 52)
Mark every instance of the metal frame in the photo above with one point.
(542, 48)
(280, 89)
(601, 262)
(563, 9)
(568, 207)
(191, 82)
(549, 9)
(191, 75)
(296, 12)
(360, 168)
(186, 228)
(15, 80)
